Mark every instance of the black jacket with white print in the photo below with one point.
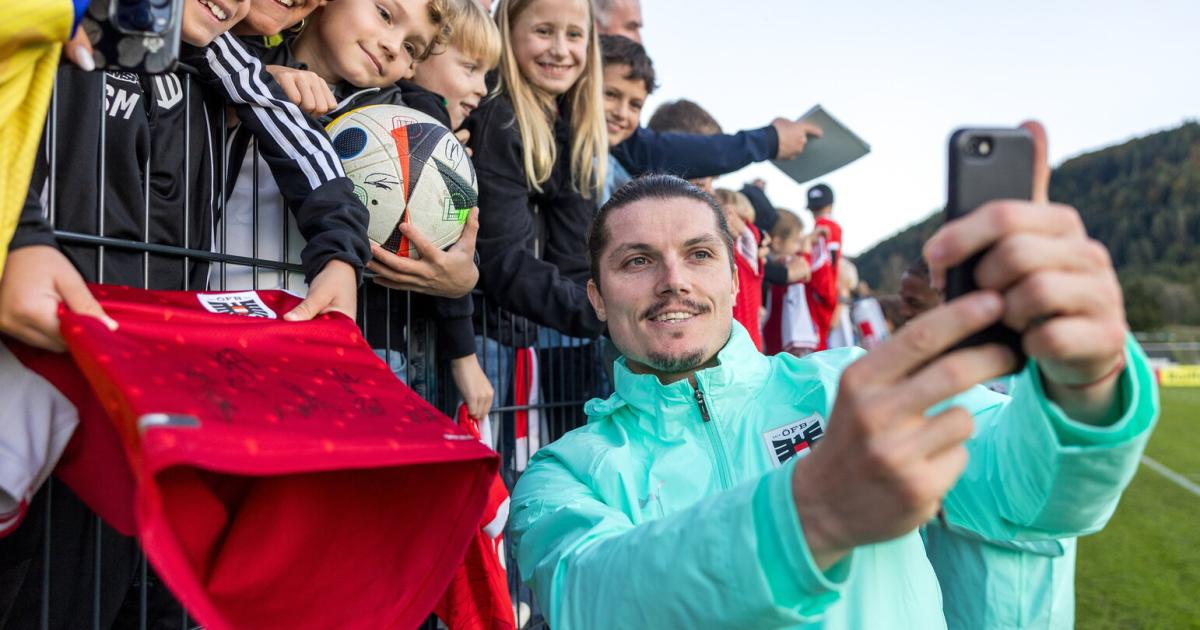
(132, 160)
(171, 142)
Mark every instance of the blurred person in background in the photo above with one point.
(619, 17)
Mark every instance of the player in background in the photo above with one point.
(789, 326)
(747, 242)
(822, 291)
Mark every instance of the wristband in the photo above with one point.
(1117, 369)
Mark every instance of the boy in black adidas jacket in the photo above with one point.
(320, 59)
(137, 157)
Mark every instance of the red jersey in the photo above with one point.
(822, 292)
(272, 461)
(789, 325)
(750, 282)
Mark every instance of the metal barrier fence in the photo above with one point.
(569, 369)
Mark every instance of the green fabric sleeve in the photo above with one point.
(700, 567)
(1034, 473)
(1136, 391)
(790, 570)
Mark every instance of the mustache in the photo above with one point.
(666, 306)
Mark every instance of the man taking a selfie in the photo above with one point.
(721, 488)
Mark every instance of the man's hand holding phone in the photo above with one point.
(1059, 287)
(883, 465)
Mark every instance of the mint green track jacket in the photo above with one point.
(672, 507)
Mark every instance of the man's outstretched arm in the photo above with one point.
(692, 155)
(733, 560)
(1054, 460)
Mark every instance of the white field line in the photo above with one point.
(1179, 479)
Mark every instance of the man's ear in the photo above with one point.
(597, 300)
(734, 273)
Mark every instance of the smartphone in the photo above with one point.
(985, 165)
(135, 35)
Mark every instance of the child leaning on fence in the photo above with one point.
(325, 72)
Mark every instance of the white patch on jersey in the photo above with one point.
(792, 439)
(167, 90)
(119, 101)
(245, 303)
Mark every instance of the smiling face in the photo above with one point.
(550, 43)
(455, 77)
(623, 101)
(667, 286)
(270, 17)
(204, 20)
(366, 43)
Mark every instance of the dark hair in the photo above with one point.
(663, 187)
(620, 50)
(683, 116)
(918, 267)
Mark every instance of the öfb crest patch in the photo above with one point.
(792, 439)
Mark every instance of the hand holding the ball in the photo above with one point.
(451, 273)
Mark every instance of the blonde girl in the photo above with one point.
(540, 152)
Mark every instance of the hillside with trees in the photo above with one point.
(1141, 199)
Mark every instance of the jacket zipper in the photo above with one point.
(715, 438)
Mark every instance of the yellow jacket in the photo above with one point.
(31, 37)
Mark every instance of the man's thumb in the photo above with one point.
(79, 299)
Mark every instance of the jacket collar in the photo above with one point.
(741, 370)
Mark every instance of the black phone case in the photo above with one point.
(134, 52)
(1006, 173)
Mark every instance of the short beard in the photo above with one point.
(675, 364)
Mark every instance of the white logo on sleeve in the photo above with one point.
(792, 439)
(245, 303)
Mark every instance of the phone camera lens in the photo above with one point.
(980, 146)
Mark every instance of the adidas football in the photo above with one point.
(406, 168)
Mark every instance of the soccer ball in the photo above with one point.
(406, 168)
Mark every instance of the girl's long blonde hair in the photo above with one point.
(535, 112)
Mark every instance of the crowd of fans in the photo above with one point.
(547, 95)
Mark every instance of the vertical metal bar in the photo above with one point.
(408, 337)
(142, 612)
(287, 249)
(253, 212)
(146, 221)
(187, 170)
(97, 567)
(221, 209)
(45, 607)
(102, 173)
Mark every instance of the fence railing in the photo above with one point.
(82, 574)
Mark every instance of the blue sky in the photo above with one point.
(904, 74)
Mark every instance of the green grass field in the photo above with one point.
(1143, 570)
